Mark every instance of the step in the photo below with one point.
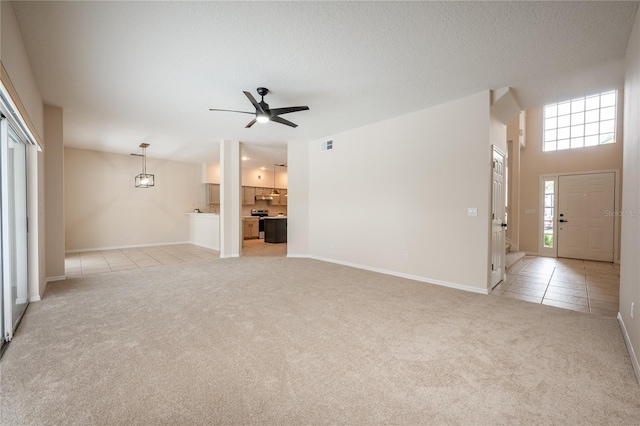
(512, 258)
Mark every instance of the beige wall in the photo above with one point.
(402, 186)
(251, 176)
(18, 78)
(15, 61)
(629, 265)
(54, 192)
(513, 188)
(102, 208)
(534, 163)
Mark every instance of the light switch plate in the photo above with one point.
(529, 211)
(472, 211)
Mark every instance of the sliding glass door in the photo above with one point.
(14, 229)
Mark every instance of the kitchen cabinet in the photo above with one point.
(283, 197)
(248, 196)
(250, 228)
(213, 194)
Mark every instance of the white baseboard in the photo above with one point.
(126, 247)
(632, 353)
(205, 246)
(21, 301)
(35, 298)
(58, 278)
(402, 275)
(229, 256)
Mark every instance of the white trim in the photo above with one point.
(401, 275)
(229, 256)
(206, 246)
(126, 247)
(58, 278)
(632, 354)
(35, 298)
(12, 112)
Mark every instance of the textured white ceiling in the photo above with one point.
(127, 72)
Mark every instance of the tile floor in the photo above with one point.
(579, 285)
(96, 262)
(260, 248)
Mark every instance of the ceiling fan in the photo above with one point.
(263, 113)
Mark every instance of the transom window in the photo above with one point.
(580, 122)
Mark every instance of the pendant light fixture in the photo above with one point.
(144, 179)
(274, 192)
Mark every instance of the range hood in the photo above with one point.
(263, 197)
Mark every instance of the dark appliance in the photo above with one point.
(260, 213)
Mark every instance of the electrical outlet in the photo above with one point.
(406, 257)
(633, 305)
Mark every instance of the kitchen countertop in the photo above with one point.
(275, 217)
(204, 214)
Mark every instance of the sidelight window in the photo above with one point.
(549, 213)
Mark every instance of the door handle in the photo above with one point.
(504, 225)
(562, 220)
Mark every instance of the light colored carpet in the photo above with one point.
(277, 341)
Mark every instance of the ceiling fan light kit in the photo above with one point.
(263, 113)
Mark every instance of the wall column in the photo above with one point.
(54, 193)
(230, 200)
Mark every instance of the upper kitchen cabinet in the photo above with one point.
(213, 193)
(282, 199)
(249, 196)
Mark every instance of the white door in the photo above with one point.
(497, 218)
(13, 156)
(586, 216)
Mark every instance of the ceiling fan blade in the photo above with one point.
(254, 102)
(231, 110)
(251, 123)
(280, 111)
(283, 121)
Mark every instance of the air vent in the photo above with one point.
(327, 146)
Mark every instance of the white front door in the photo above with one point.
(586, 216)
(497, 218)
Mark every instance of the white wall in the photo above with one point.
(630, 241)
(298, 200)
(104, 209)
(403, 186)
